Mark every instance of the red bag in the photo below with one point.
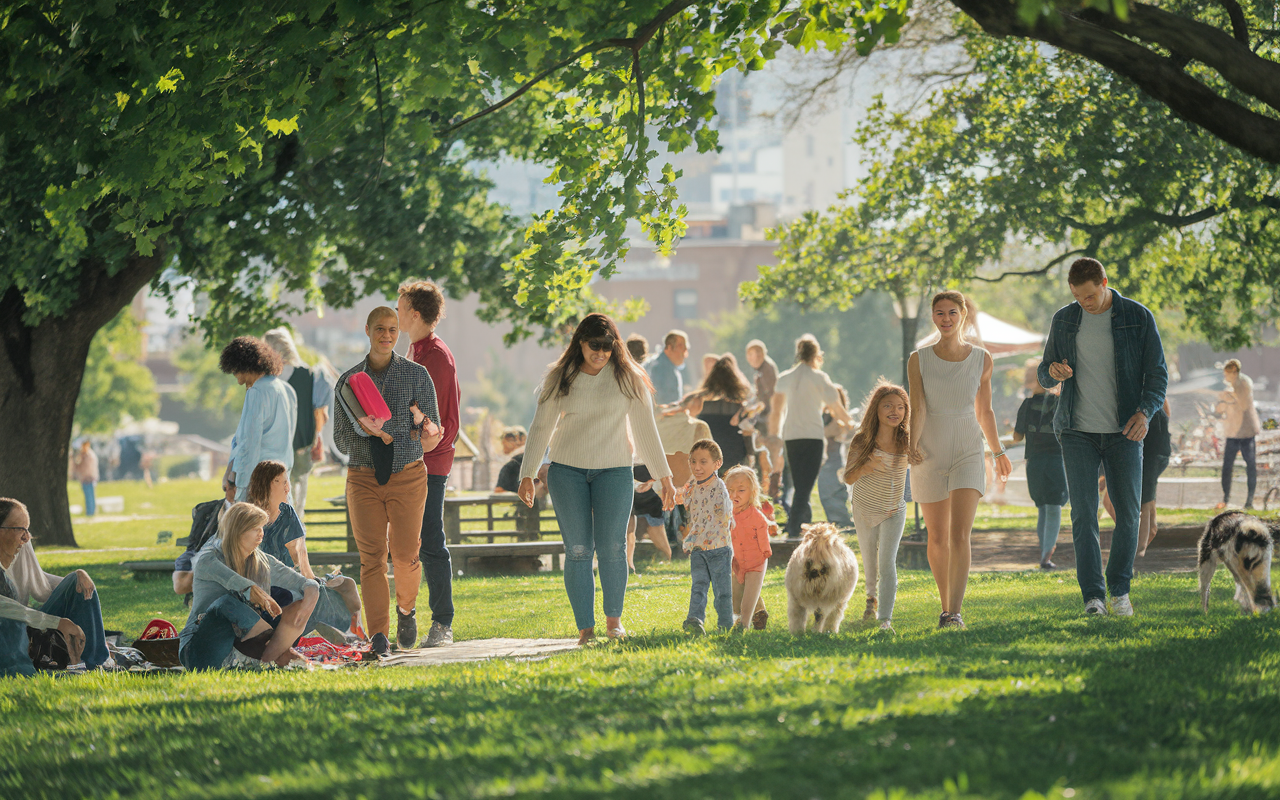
(368, 396)
(159, 629)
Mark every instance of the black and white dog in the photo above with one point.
(1244, 544)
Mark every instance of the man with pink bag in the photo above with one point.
(386, 479)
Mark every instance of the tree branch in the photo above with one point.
(1239, 26)
(1158, 76)
(632, 43)
(1042, 270)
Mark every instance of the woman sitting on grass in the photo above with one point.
(69, 604)
(233, 603)
(285, 539)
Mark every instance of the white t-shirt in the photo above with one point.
(807, 391)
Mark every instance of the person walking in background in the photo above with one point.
(1105, 351)
(950, 413)
(799, 397)
(314, 393)
(876, 472)
(387, 480)
(585, 404)
(832, 492)
(86, 472)
(666, 369)
(1157, 448)
(513, 441)
(270, 414)
(719, 403)
(1241, 427)
(708, 541)
(1046, 476)
(421, 308)
(766, 381)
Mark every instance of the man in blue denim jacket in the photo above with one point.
(1105, 351)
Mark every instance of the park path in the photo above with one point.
(480, 650)
(1173, 550)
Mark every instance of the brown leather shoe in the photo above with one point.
(760, 619)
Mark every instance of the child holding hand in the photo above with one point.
(751, 548)
(706, 540)
(876, 471)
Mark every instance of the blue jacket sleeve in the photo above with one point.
(1155, 373)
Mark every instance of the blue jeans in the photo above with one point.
(227, 619)
(592, 508)
(65, 601)
(1048, 524)
(1247, 450)
(1121, 460)
(834, 494)
(437, 569)
(713, 568)
(14, 648)
(90, 500)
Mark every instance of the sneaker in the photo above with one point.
(616, 633)
(406, 629)
(379, 644)
(1121, 607)
(438, 635)
(869, 613)
(887, 625)
(1095, 608)
(954, 621)
(695, 627)
(1048, 565)
(943, 619)
(760, 619)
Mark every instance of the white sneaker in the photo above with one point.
(1121, 607)
(887, 625)
(1096, 608)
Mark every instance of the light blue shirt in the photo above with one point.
(668, 383)
(265, 432)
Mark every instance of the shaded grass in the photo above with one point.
(1032, 698)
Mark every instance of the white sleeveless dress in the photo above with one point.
(951, 440)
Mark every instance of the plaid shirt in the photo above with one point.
(400, 384)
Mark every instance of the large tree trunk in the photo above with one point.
(40, 372)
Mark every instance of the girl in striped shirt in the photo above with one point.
(876, 471)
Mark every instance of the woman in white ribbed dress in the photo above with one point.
(591, 395)
(950, 415)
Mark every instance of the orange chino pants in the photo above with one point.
(386, 519)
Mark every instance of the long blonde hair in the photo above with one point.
(864, 441)
(239, 520)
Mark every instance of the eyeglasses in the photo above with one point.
(15, 528)
(601, 344)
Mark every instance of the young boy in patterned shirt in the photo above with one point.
(710, 515)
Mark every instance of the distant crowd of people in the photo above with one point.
(624, 449)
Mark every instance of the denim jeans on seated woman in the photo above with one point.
(14, 648)
(66, 601)
(227, 619)
(592, 507)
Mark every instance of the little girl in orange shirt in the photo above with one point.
(751, 549)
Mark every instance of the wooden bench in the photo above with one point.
(526, 522)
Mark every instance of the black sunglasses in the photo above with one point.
(597, 345)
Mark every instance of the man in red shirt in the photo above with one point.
(420, 308)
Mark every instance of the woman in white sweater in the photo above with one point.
(583, 415)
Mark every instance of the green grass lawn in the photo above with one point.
(1033, 698)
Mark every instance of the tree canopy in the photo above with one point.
(1049, 149)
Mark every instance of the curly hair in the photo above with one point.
(807, 350)
(249, 354)
(424, 297)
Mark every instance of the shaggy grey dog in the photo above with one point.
(1244, 544)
